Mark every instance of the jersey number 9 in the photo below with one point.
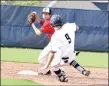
(68, 38)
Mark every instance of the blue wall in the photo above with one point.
(102, 6)
(92, 36)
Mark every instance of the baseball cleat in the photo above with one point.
(47, 73)
(77, 53)
(62, 77)
(86, 73)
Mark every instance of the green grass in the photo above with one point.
(93, 59)
(31, 55)
(24, 3)
(20, 55)
(18, 82)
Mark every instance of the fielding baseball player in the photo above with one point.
(47, 29)
(62, 47)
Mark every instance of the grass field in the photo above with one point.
(30, 55)
(19, 55)
(18, 82)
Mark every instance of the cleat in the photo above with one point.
(77, 53)
(86, 73)
(47, 73)
(62, 77)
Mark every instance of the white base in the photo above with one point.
(27, 72)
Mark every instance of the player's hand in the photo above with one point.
(45, 67)
(77, 27)
(38, 33)
(31, 17)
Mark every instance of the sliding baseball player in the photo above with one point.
(62, 47)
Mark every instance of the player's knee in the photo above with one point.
(40, 60)
(65, 59)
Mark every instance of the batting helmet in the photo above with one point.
(56, 20)
(47, 10)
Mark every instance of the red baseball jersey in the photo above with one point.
(46, 28)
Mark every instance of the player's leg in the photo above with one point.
(60, 74)
(77, 66)
(55, 64)
(43, 58)
(43, 55)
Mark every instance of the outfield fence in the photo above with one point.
(92, 36)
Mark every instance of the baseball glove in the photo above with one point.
(31, 18)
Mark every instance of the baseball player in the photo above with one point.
(47, 29)
(62, 46)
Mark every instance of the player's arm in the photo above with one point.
(40, 21)
(54, 47)
(51, 55)
(50, 59)
(47, 29)
(74, 26)
(37, 31)
(42, 30)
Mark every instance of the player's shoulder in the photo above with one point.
(68, 25)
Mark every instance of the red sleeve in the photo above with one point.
(41, 22)
(47, 30)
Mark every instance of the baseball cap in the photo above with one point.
(47, 10)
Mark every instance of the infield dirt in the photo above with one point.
(98, 76)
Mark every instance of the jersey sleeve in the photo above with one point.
(41, 22)
(73, 25)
